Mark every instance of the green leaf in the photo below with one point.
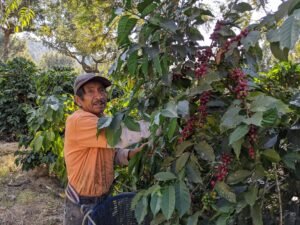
(290, 159)
(193, 172)
(199, 89)
(164, 176)
(145, 65)
(242, 7)
(141, 209)
(155, 203)
(256, 214)
(271, 155)
(205, 151)
(132, 62)
(183, 146)
(38, 143)
(281, 54)
(183, 108)
(181, 161)
(157, 65)
(113, 136)
(289, 31)
(238, 133)
(238, 176)
(125, 26)
(170, 110)
(172, 128)
(149, 9)
(237, 147)
(224, 191)
(251, 195)
(251, 39)
(255, 119)
(194, 34)
(183, 199)
(103, 122)
(131, 124)
(231, 119)
(143, 4)
(168, 25)
(193, 220)
(168, 201)
(270, 117)
(222, 220)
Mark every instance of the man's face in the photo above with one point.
(94, 98)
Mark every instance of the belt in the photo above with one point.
(86, 200)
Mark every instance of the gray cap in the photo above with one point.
(84, 78)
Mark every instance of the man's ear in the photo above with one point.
(77, 100)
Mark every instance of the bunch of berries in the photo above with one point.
(204, 98)
(221, 169)
(209, 199)
(237, 39)
(215, 35)
(201, 65)
(188, 129)
(241, 85)
(252, 135)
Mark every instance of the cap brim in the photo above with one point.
(105, 82)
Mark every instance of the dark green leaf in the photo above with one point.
(225, 192)
(250, 40)
(131, 124)
(181, 161)
(126, 24)
(281, 54)
(231, 119)
(141, 209)
(205, 151)
(238, 176)
(143, 4)
(155, 203)
(182, 147)
(193, 171)
(271, 155)
(251, 195)
(113, 136)
(238, 133)
(168, 201)
(170, 110)
(157, 65)
(164, 176)
(237, 147)
(168, 24)
(172, 128)
(183, 199)
(193, 220)
(103, 122)
(242, 7)
(256, 214)
(291, 159)
(150, 8)
(132, 62)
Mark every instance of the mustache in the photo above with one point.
(101, 101)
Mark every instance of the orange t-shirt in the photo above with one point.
(89, 159)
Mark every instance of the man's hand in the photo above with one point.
(133, 152)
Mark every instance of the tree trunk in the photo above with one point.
(7, 34)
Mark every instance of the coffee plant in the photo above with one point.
(227, 152)
(16, 95)
(46, 122)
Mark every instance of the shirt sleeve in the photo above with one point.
(86, 130)
(129, 137)
(121, 157)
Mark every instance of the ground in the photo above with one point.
(27, 198)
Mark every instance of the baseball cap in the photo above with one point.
(84, 78)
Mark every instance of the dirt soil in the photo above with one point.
(27, 198)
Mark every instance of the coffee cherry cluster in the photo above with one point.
(240, 81)
(252, 135)
(221, 169)
(188, 129)
(201, 65)
(215, 35)
(204, 98)
(209, 199)
(237, 39)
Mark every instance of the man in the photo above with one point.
(90, 160)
